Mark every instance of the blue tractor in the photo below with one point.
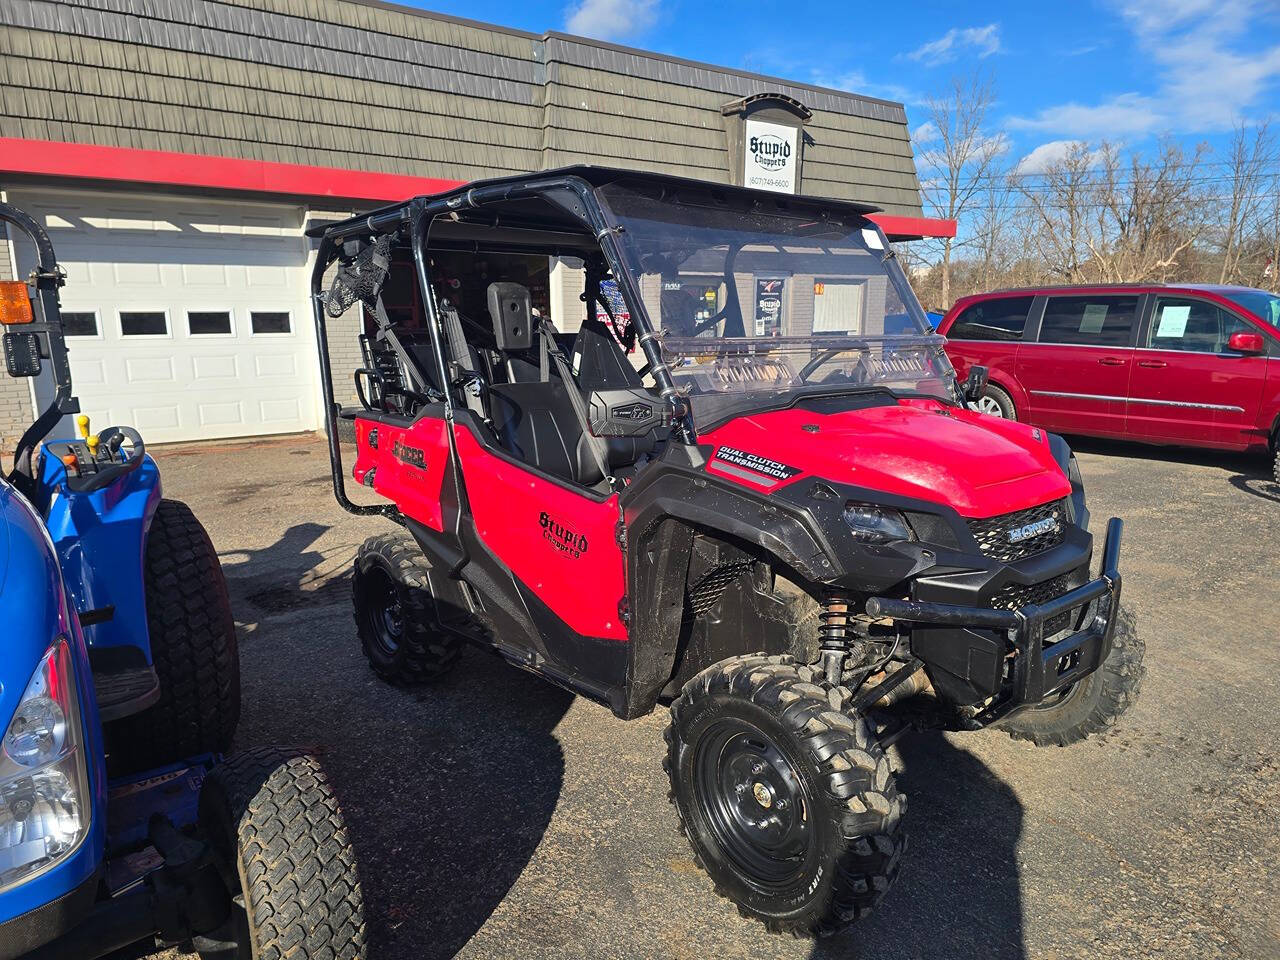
(120, 821)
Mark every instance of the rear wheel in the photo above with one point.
(789, 805)
(396, 616)
(996, 403)
(280, 844)
(193, 646)
(1093, 705)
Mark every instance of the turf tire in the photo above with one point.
(193, 647)
(855, 807)
(392, 567)
(1095, 704)
(281, 846)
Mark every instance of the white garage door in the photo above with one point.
(186, 319)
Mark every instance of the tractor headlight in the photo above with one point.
(870, 523)
(44, 783)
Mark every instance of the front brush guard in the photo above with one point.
(1038, 671)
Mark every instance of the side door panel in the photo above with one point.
(1077, 372)
(990, 333)
(561, 544)
(405, 462)
(1187, 386)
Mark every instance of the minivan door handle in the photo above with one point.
(1152, 364)
(1111, 362)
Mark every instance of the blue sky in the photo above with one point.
(1124, 70)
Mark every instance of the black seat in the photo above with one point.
(536, 422)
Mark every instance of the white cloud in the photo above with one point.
(1211, 62)
(1046, 155)
(1129, 114)
(983, 41)
(927, 132)
(611, 19)
(855, 81)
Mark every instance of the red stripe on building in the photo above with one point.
(48, 158)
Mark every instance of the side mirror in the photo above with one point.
(976, 385)
(1246, 343)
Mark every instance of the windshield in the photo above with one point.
(758, 296)
(1258, 302)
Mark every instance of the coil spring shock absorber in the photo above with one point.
(833, 634)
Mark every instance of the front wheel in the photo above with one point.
(1093, 705)
(282, 849)
(790, 806)
(996, 402)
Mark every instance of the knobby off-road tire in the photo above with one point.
(395, 613)
(762, 715)
(193, 647)
(1275, 464)
(282, 849)
(1094, 704)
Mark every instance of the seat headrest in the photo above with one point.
(512, 313)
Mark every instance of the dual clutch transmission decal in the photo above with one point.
(751, 466)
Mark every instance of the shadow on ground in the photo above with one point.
(958, 894)
(447, 789)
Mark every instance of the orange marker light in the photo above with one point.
(69, 460)
(15, 303)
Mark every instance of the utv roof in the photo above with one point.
(595, 176)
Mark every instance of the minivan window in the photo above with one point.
(1182, 323)
(1090, 321)
(1004, 318)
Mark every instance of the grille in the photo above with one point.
(1020, 595)
(711, 587)
(992, 533)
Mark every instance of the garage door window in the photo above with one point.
(209, 323)
(269, 322)
(80, 324)
(144, 323)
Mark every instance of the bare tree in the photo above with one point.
(1147, 213)
(961, 166)
(1059, 203)
(1251, 155)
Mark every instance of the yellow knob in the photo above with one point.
(82, 424)
(92, 443)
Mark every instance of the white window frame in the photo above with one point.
(286, 311)
(168, 323)
(231, 315)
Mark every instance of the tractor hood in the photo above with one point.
(978, 465)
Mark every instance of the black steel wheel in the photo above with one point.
(754, 802)
(788, 803)
(397, 619)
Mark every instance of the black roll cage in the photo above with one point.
(570, 193)
(571, 190)
(47, 325)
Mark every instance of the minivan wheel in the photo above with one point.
(995, 402)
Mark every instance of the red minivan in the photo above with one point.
(1194, 365)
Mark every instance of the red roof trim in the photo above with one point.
(910, 228)
(128, 165)
(48, 158)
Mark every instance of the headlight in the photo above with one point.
(872, 524)
(44, 783)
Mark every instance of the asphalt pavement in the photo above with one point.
(496, 816)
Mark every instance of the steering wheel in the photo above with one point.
(113, 440)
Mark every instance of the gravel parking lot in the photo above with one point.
(497, 816)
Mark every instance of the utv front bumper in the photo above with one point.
(1000, 658)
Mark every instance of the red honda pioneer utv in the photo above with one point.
(748, 501)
